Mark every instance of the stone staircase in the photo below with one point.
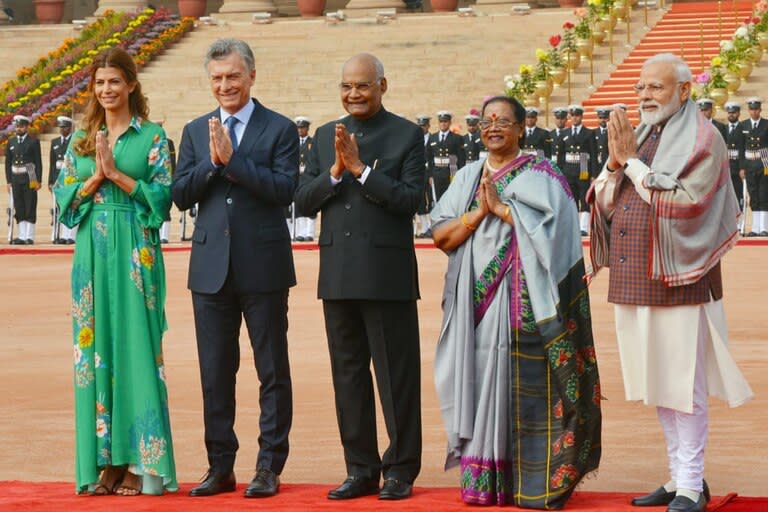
(22, 45)
(691, 30)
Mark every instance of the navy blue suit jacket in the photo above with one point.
(240, 225)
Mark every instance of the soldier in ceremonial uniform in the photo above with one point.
(423, 222)
(601, 139)
(474, 149)
(537, 141)
(445, 153)
(578, 154)
(755, 130)
(23, 172)
(557, 133)
(734, 141)
(305, 226)
(705, 105)
(61, 233)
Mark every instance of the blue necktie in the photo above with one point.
(231, 122)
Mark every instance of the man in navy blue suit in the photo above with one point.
(240, 164)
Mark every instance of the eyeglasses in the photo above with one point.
(653, 88)
(360, 86)
(502, 123)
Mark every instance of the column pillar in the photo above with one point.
(130, 6)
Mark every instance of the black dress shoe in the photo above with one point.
(584, 233)
(163, 240)
(215, 483)
(655, 499)
(661, 497)
(29, 241)
(763, 233)
(17, 241)
(395, 489)
(265, 483)
(69, 241)
(354, 487)
(685, 504)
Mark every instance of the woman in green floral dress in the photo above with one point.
(115, 185)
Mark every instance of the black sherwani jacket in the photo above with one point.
(366, 234)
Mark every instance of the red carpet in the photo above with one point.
(54, 497)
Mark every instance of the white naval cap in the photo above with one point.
(444, 115)
(531, 112)
(622, 106)
(705, 103)
(576, 109)
(302, 121)
(732, 106)
(63, 121)
(20, 119)
(754, 102)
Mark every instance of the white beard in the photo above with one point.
(662, 112)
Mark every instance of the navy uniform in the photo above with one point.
(557, 133)
(61, 233)
(578, 153)
(422, 229)
(734, 141)
(474, 149)
(537, 141)
(445, 154)
(601, 139)
(755, 130)
(705, 106)
(304, 225)
(23, 172)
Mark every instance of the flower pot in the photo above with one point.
(599, 35)
(745, 69)
(754, 54)
(557, 74)
(584, 47)
(444, 5)
(609, 21)
(719, 96)
(571, 59)
(531, 101)
(762, 39)
(543, 89)
(49, 11)
(571, 3)
(734, 81)
(310, 8)
(620, 10)
(191, 8)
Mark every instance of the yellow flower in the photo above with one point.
(541, 55)
(68, 180)
(85, 337)
(146, 257)
(526, 68)
(716, 61)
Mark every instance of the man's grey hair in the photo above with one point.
(224, 47)
(372, 58)
(682, 70)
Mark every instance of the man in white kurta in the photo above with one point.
(665, 201)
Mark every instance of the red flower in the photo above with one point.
(555, 40)
(568, 25)
(755, 20)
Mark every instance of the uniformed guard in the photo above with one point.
(557, 133)
(755, 130)
(23, 172)
(445, 154)
(705, 106)
(423, 222)
(165, 227)
(735, 142)
(601, 139)
(577, 148)
(61, 234)
(537, 141)
(304, 226)
(474, 149)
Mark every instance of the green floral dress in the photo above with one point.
(118, 310)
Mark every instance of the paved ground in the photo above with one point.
(36, 375)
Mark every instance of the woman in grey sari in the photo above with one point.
(515, 368)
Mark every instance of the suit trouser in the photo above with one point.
(24, 202)
(757, 186)
(578, 188)
(738, 185)
(217, 324)
(386, 332)
(442, 178)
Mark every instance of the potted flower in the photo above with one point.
(713, 85)
(570, 55)
(521, 86)
(191, 8)
(729, 64)
(49, 11)
(583, 33)
(541, 76)
(555, 59)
